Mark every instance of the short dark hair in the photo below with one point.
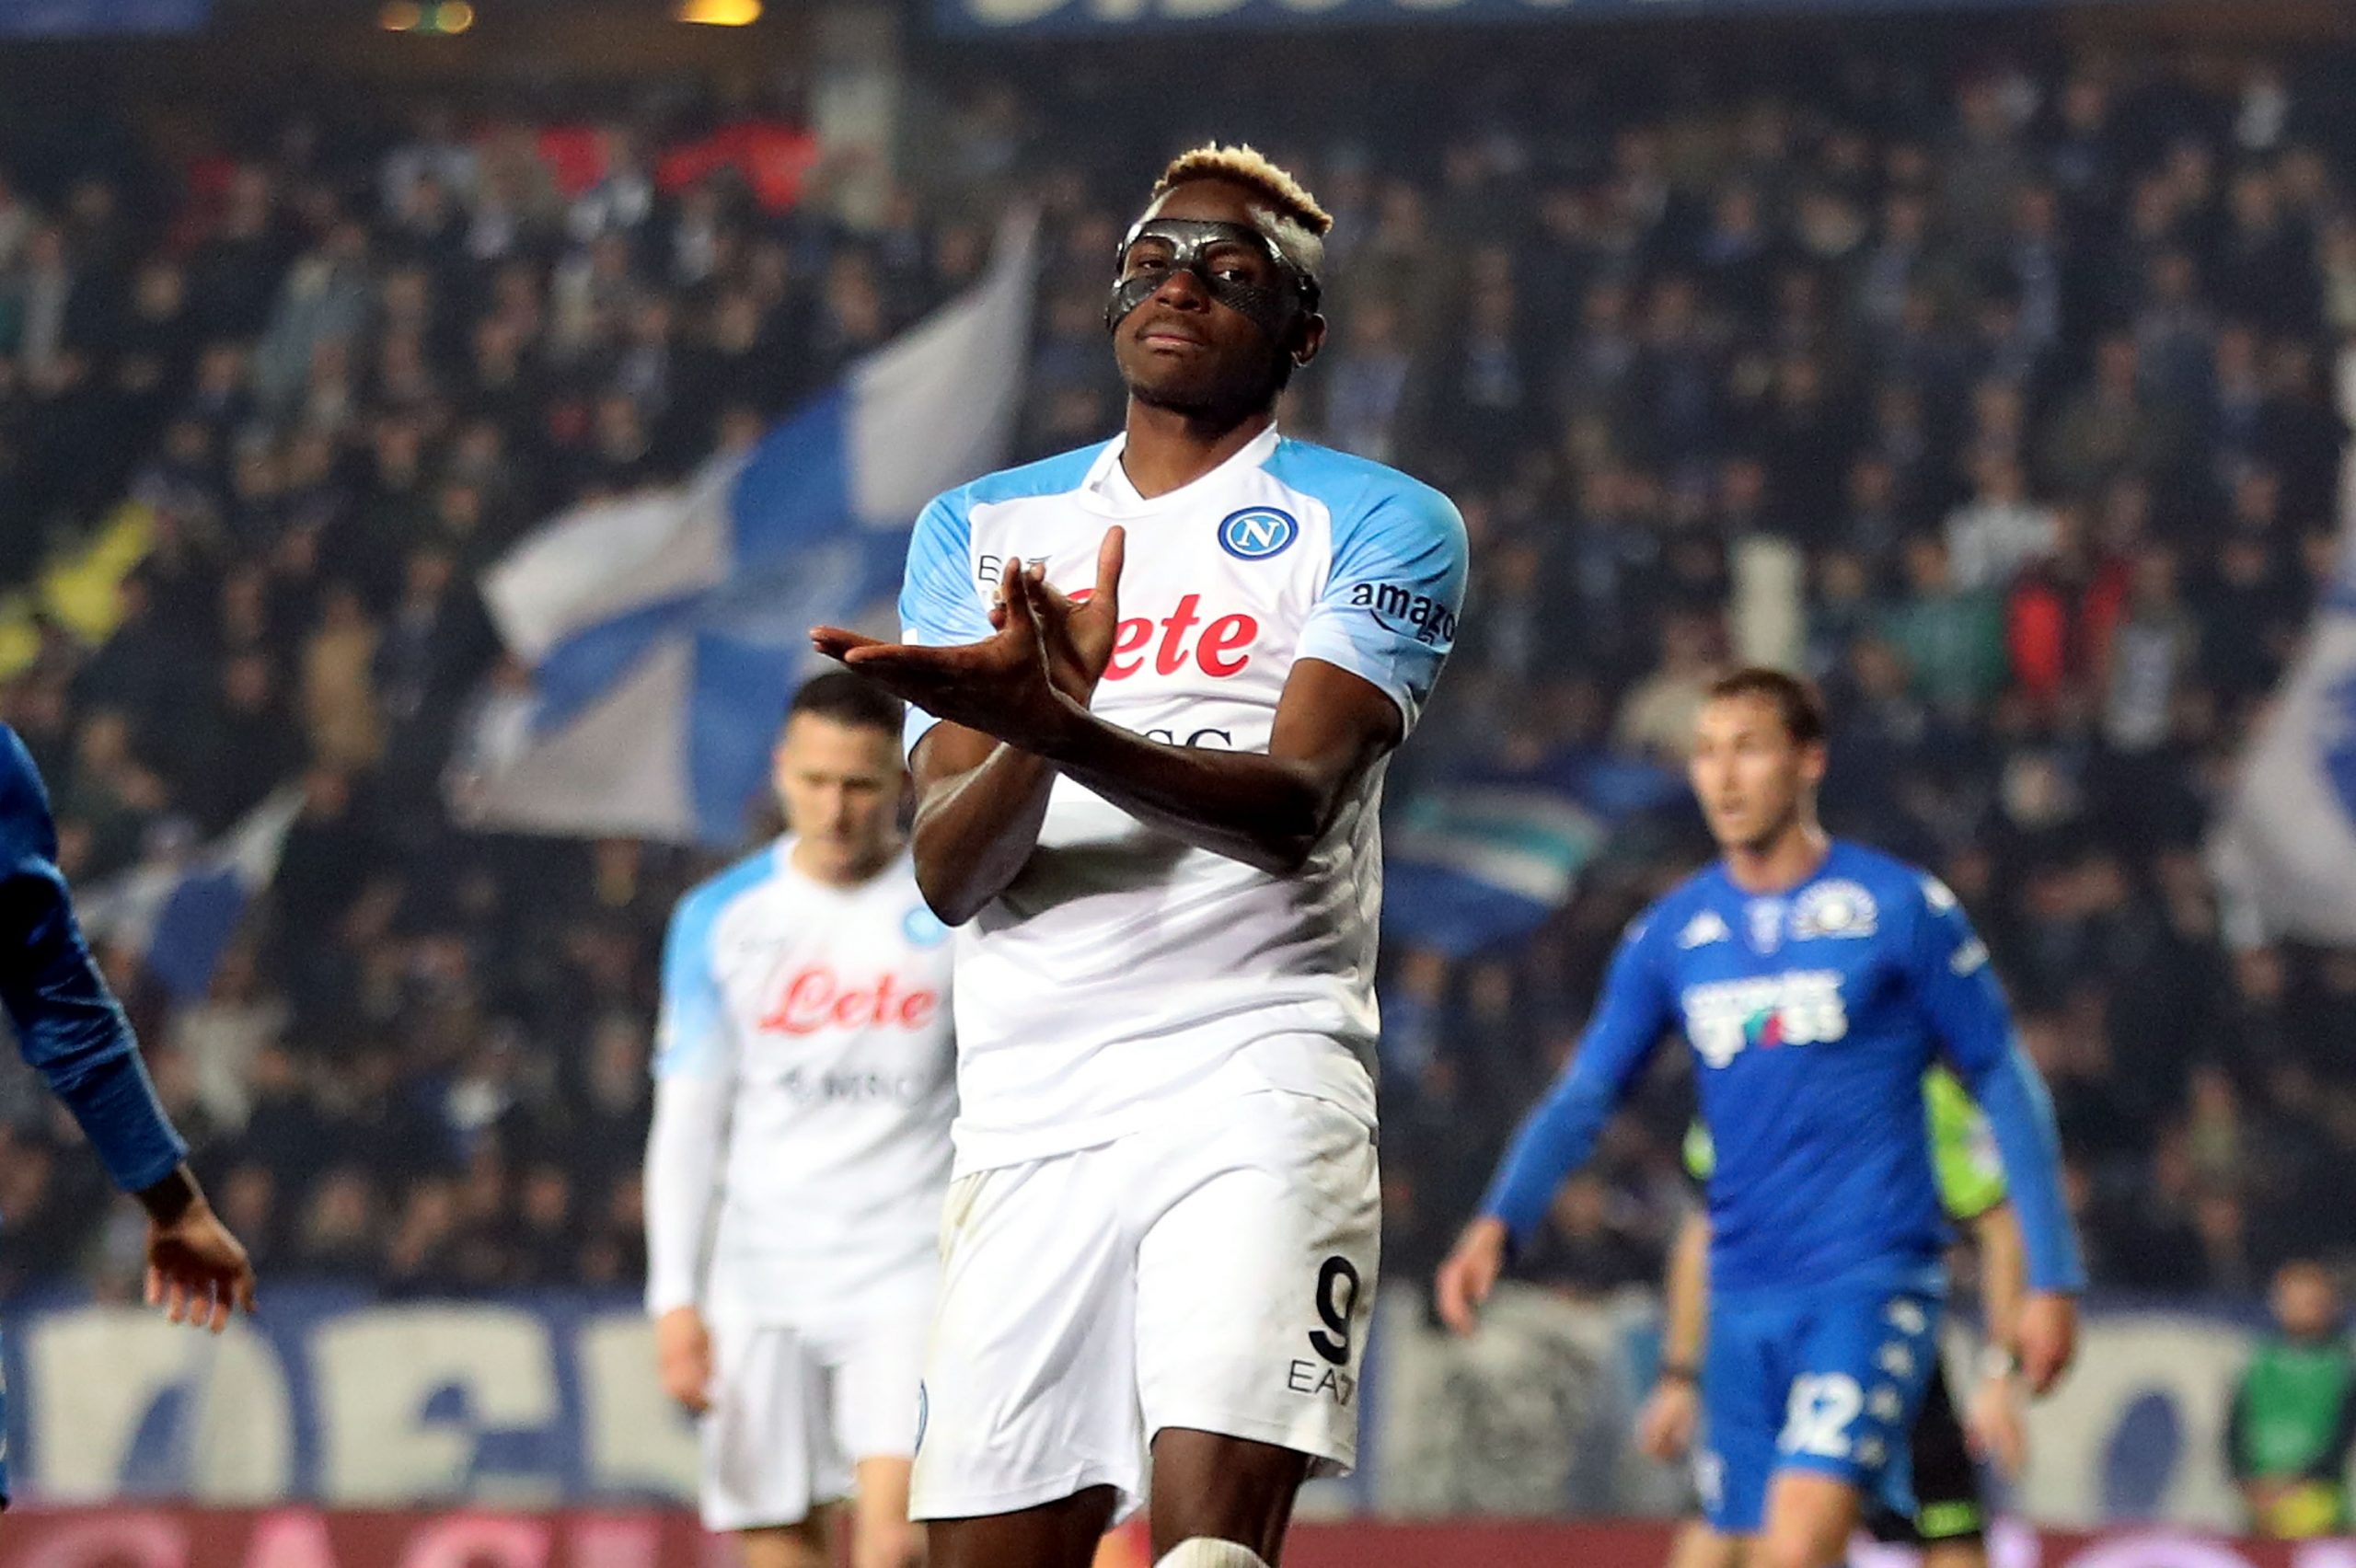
(1796, 701)
(846, 699)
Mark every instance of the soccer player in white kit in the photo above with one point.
(803, 1093)
(1160, 677)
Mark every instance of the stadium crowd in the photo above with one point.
(2029, 369)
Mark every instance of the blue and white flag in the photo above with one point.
(665, 633)
(1483, 859)
(2283, 854)
(179, 909)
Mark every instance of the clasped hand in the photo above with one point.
(1030, 682)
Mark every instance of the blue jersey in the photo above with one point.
(1812, 1015)
(68, 1025)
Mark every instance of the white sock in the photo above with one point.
(1202, 1552)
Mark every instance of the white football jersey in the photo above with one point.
(805, 1060)
(1124, 970)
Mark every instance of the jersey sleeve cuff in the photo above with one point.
(914, 728)
(1377, 671)
(120, 1115)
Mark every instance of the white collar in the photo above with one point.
(1108, 490)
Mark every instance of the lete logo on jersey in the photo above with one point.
(816, 997)
(1220, 649)
(1802, 1007)
(1220, 646)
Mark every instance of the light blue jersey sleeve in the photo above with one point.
(1389, 611)
(940, 605)
(1966, 1009)
(694, 1037)
(1556, 1137)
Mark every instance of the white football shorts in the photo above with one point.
(794, 1409)
(1216, 1272)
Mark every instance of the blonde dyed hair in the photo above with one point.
(1247, 166)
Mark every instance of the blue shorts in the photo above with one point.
(1828, 1381)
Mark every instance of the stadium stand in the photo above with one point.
(2029, 369)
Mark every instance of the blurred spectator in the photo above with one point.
(1658, 716)
(2294, 1417)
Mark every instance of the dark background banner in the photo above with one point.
(95, 18)
(1048, 17)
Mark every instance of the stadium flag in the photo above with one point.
(2283, 853)
(1482, 860)
(664, 632)
(178, 911)
(2280, 852)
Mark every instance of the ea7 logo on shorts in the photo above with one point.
(1338, 1283)
(1258, 532)
(1432, 622)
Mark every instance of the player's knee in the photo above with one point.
(1203, 1551)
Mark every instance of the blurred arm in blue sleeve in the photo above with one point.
(1557, 1137)
(68, 1025)
(1967, 1010)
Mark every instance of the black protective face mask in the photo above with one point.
(1274, 311)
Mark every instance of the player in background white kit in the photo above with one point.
(803, 1100)
(1162, 676)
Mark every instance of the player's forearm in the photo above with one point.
(2002, 1274)
(70, 1029)
(1685, 1312)
(1552, 1141)
(684, 1147)
(2021, 1115)
(1269, 813)
(976, 827)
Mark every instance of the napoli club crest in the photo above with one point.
(1258, 532)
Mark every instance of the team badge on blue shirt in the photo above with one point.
(1834, 908)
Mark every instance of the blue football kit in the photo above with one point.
(1812, 1014)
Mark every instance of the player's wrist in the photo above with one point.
(1488, 1232)
(1065, 731)
(172, 1200)
(1678, 1375)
